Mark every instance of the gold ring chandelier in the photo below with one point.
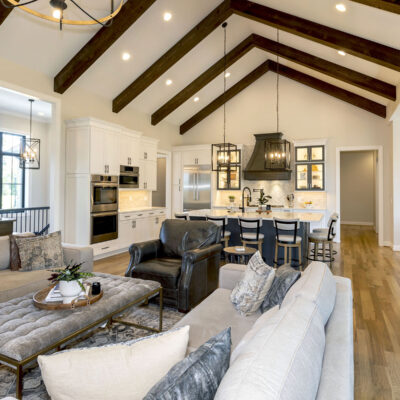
(59, 7)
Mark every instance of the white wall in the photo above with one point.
(37, 181)
(357, 187)
(304, 114)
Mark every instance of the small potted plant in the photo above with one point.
(70, 279)
(231, 199)
(263, 200)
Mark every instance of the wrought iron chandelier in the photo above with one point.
(224, 155)
(30, 148)
(58, 9)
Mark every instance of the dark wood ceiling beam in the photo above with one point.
(5, 11)
(386, 5)
(357, 46)
(173, 55)
(328, 68)
(332, 90)
(131, 11)
(229, 94)
(206, 77)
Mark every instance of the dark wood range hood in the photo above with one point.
(264, 164)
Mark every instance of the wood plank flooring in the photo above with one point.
(375, 273)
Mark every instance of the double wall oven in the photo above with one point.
(104, 208)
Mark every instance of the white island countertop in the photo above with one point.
(300, 215)
(138, 209)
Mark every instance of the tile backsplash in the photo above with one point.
(130, 199)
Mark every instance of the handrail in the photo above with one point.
(29, 219)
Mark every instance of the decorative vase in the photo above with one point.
(70, 289)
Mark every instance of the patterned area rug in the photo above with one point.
(34, 388)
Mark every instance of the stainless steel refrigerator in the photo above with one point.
(196, 187)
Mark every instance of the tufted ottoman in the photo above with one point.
(26, 331)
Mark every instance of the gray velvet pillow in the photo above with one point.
(198, 376)
(285, 277)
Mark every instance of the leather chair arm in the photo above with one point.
(196, 255)
(141, 252)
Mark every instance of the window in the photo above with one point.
(12, 177)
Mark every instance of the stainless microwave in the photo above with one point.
(129, 177)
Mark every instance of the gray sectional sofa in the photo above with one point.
(302, 350)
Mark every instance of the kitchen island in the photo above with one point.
(305, 218)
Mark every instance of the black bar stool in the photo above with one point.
(335, 215)
(250, 232)
(223, 222)
(184, 216)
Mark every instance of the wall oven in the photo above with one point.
(104, 193)
(129, 177)
(104, 226)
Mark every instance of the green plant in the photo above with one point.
(70, 273)
(231, 198)
(263, 199)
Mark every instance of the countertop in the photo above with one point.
(138, 209)
(302, 216)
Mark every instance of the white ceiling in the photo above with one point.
(41, 46)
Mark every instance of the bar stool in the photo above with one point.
(221, 221)
(324, 239)
(253, 236)
(184, 216)
(287, 238)
(335, 215)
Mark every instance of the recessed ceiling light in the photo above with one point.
(196, 99)
(41, 114)
(227, 75)
(341, 52)
(168, 82)
(167, 16)
(57, 13)
(340, 7)
(126, 56)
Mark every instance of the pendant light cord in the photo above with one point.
(277, 82)
(224, 25)
(30, 121)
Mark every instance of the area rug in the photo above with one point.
(34, 388)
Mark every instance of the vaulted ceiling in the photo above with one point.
(141, 31)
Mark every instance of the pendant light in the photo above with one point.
(30, 147)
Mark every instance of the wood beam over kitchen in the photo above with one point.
(387, 5)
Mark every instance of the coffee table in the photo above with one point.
(27, 332)
(239, 257)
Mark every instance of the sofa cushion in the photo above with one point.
(214, 314)
(15, 260)
(163, 270)
(4, 252)
(120, 371)
(318, 285)
(199, 374)
(285, 277)
(250, 291)
(282, 361)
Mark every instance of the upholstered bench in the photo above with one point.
(26, 331)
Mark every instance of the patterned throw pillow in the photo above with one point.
(250, 292)
(41, 252)
(15, 260)
(199, 374)
(285, 277)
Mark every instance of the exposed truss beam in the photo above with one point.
(5, 11)
(357, 46)
(173, 55)
(387, 5)
(131, 11)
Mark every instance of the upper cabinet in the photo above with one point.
(197, 157)
(310, 167)
(129, 148)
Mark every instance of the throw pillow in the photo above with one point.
(250, 291)
(4, 252)
(285, 277)
(124, 371)
(15, 260)
(199, 374)
(41, 252)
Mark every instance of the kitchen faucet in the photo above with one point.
(248, 197)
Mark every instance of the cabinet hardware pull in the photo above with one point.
(105, 248)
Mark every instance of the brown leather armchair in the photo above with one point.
(185, 260)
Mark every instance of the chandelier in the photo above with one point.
(224, 155)
(30, 148)
(58, 9)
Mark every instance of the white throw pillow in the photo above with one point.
(250, 291)
(125, 371)
(283, 361)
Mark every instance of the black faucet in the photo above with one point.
(248, 198)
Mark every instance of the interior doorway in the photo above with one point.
(359, 190)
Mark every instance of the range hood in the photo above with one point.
(270, 159)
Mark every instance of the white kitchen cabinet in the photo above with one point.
(148, 150)
(197, 157)
(148, 175)
(129, 149)
(104, 157)
(177, 199)
(177, 168)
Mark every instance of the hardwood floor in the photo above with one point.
(375, 274)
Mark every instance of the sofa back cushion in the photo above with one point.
(178, 236)
(4, 252)
(15, 260)
(318, 285)
(282, 361)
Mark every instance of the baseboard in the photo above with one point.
(111, 253)
(396, 248)
(387, 244)
(357, 223)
